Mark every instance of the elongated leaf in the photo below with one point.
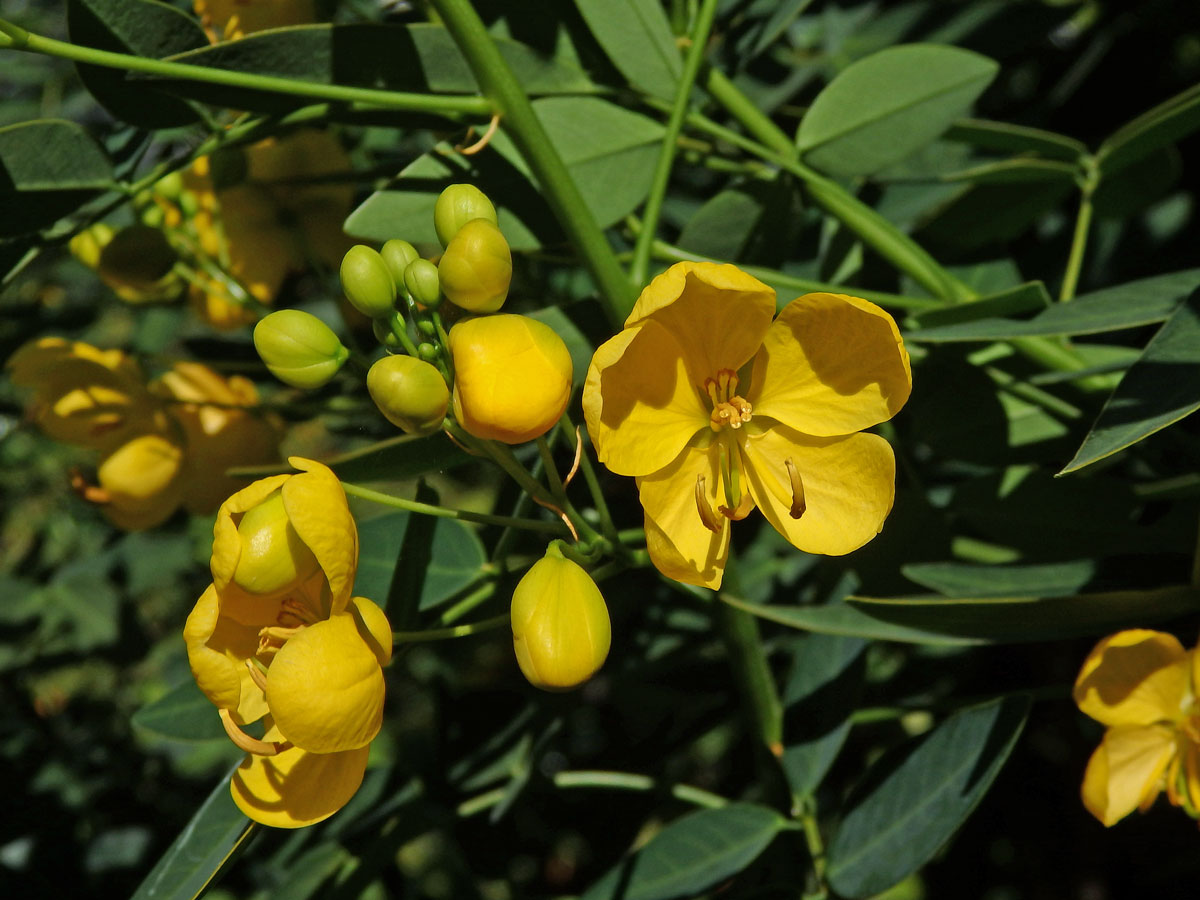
(1014, 171)
(140, 28)
(1164, 124)
(883, 107)
(213, 835)
(48, 168)
(692, 853)
(915, 798)
(182, 714)
(638, 40)
(1141, 302)
(414, 58)
(1023, 298)
(1159, 389)
(1007, 138)
(1015, 620)
(972, 580)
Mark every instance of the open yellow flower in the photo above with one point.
(1142, 685)
(298, 651)
(715, 409)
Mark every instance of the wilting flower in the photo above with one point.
(715, 409)
(1142, 685)
(278, 637)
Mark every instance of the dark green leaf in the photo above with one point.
(888, 105)
(215, 832)
(1004, 137)
(1159, 389)
(1129, 305)
(915, 798)
(1023, 298)
(953, 579)
(182, 714)
(638, 40)
(1020, 619)
(1014, 171)
(139, 28)
(1164, 124)
(692, 853)
(391, 460)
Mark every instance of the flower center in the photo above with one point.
(727, 407)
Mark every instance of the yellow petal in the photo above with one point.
(296, 788)
(316, 504)
(227, 546)
(1126, 770)
(641, 404)
(831, 364)
(142, 481)
(1134, 677)
(848, 485)
(716, 312)
(325, 687)
(374, 627)
(679, 543)
(217, 649)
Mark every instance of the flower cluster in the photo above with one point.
(716, 409)
(278, 638)
(162, 444)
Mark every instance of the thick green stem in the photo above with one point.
(521, 124)
(748, 663)
(465, 515)
(449, 105)
(666, 156)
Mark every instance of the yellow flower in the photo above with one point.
(1142, 685)
(715, 409)
(298, 652)
(231, 19)
(139, 483)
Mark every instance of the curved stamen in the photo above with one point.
(741, 510)
(707, 516)
(249, 744)
(257, 676)
(798, 504)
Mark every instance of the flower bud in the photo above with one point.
(385, 335)
(410, 393)
(368, 282)
(476, 268)
(272, 554)
(560, 624)
(87, 245)
(512, 377)
(456, 206)
(138, 258)
(169, 186)
(299, 348)
(421, 281)
(397, 255)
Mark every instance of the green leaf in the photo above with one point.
(138, 28)
(1015, 620)
(1164, 124)
(1005, 137)
(915, 798)
(48, 169)
(394, 459)
(1159, 389)
(609, 151)
(692, 853)
(207, 842)
(884, 107)
(954, 579)
(1018, 170)
(1023, 298)
(1129, 305)
(410, 58)
(182, 714)
(637, 38)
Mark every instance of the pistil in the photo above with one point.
(250, 744)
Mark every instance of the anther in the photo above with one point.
(249, 744)
(707, 516)
(741, 510)
(798, 505)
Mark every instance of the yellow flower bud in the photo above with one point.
(476, 268)
(87, 245)
(397, 255)
(421, 281)
(368, 282)
(273, 555)
(456, 206)
(512, 377)
(560, 625)
(410, 393)
(299, 348)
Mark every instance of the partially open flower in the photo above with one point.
(512, 377)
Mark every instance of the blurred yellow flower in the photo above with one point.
(1142, 685)
(715, 409)
(231, 19)
(278, 637)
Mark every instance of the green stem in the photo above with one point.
(621, 781)
(607, 526)
(552, 476)
(470, 601)
(399, 328)
(748, 662)
(1083, 223)
(449, 105)
(521, 123)
(666, 155)
(427, 509)
(454, 631)
(812, 837)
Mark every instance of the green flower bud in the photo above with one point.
(299, 348)
(368, 282)
(561, 630)
(189, 204)
(421, 281)
(153, 216)
(410, 393)
(138, 258)
(476, 268)
(426, 327)
(169, 186)
(385, 335)
(456, 206)
(397, 255)
(272, 554)
(427, 351)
